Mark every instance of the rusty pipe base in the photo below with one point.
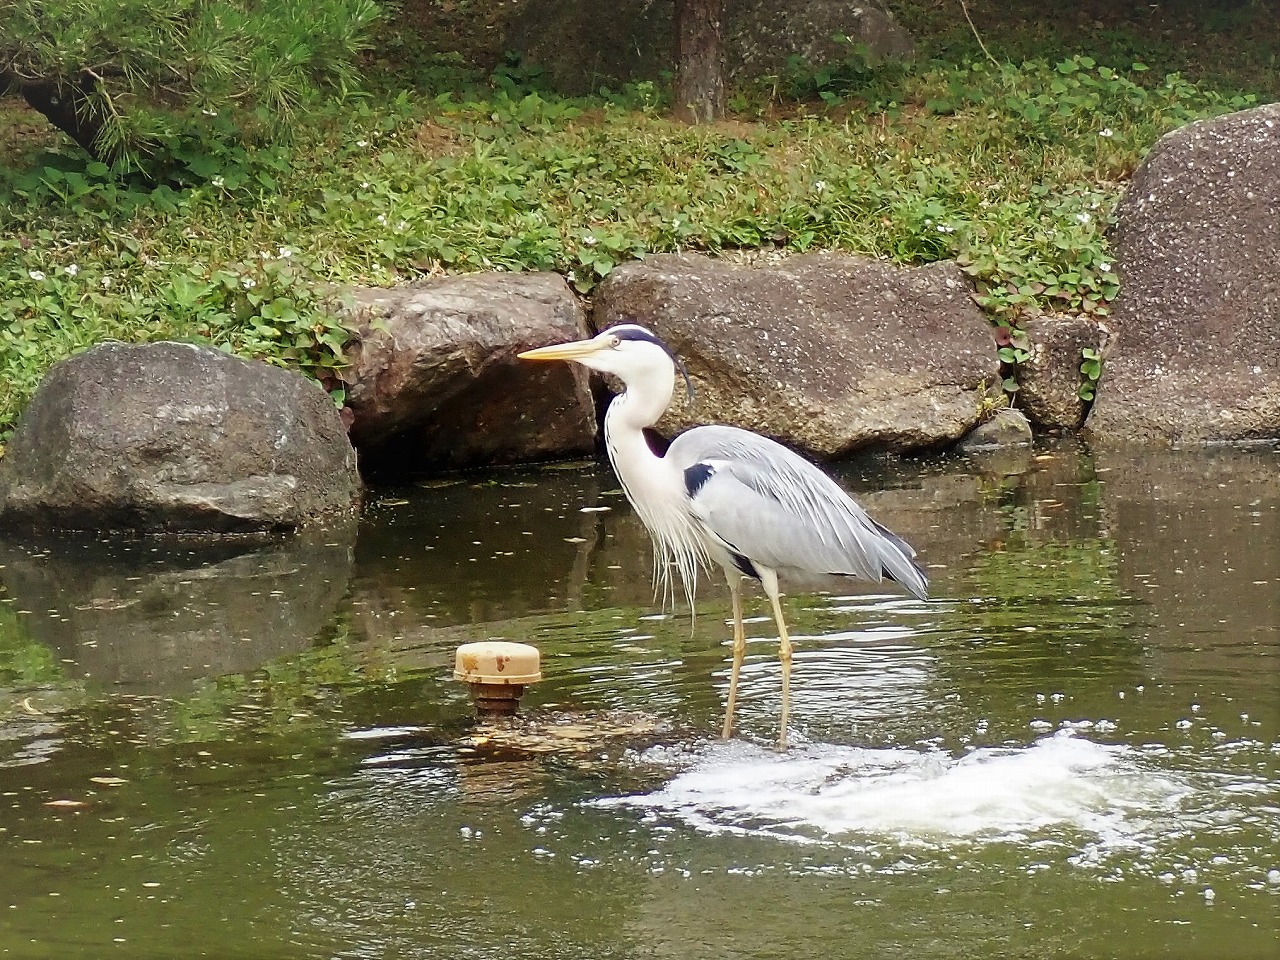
(497, 699)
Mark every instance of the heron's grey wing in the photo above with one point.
(769, 505)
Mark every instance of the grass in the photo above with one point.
(1011, 169)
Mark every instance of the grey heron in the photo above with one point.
(731, 498)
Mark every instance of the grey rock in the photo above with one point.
(762, 36)
(176, 438)
(1007, 427)
(580, 45)
(827, 352)
(1049, 381)
(434, 382)
(1197, 244)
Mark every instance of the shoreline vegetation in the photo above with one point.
(1011, 167)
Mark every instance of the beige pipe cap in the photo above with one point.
(497, 661)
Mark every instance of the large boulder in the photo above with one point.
(434, 382)
(176, 438)
(581, 44)
(827, 352)
(1197, 243)
(765, 37)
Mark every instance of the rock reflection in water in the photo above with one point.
(149, 618)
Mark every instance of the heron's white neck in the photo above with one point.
(642, 472)
(642, 403)
(654, 486)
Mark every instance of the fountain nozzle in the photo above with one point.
(497, 672)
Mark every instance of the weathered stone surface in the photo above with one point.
(761, 36)
(827, 352)
(434, 382)
(1197, 244)
(176, 438)
(1049, 382)
(1006, 428)
(580, 44)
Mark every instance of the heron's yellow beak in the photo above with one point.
(562, 351)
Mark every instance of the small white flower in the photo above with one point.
(208, 113)
(589, 240)
(362, 143)
(382, 219)
(73, 269)
(36, 275)
(364, 184)
(820, 185)
(106, 283)
(247, 283)
(944, 228)
(1106, 132)
(1083, 217)
(402, 226)
(285, 253)
(1104, 267)
(217, 181)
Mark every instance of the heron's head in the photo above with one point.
(628, 351)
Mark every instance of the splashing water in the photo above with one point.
(821, 792)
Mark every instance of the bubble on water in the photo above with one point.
(821, 793)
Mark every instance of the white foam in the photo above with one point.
(914, 796)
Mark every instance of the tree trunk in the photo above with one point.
(58, 103)
(699, 85)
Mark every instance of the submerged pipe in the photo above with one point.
(497, 672)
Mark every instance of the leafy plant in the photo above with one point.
(1013, 349)
(1091, 371)
(858, 73)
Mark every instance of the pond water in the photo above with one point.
(1072, 749)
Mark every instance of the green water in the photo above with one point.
(1071, 750)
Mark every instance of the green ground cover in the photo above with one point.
(1011, 164)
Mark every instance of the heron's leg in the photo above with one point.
(769, 580)
(739, 648)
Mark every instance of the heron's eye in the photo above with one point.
(615, 341)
